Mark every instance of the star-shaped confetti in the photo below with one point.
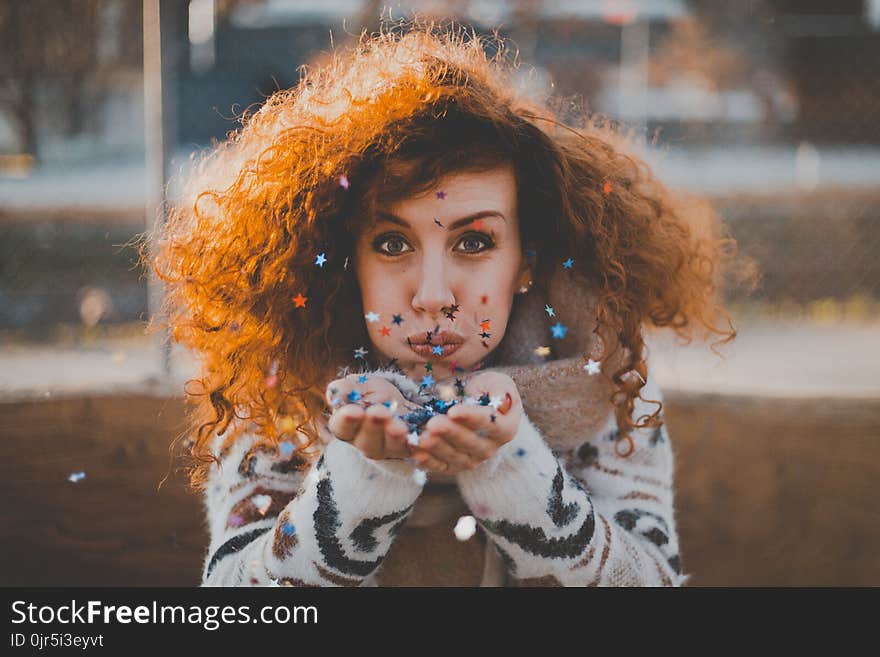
(420, 477)
(360, 352)
(397, 319)
(362, 378)
(413, 438)
(607, 187)
(568, 263)
(285, 448)
(75, 477)
(450, 311)
(484, 325)
(495, 402)
(320, 260)
(354, 396)
(343, 182)
(288, 529)
(465, 528)
(558, 330)
(300, 301)
(429, 367)
(476, 224)
(542, 351)
(372, 317)
(593, 367)
(427, 381)
(485, 335)
(550, 310)
(441, 195)
(261, 503)
(437, 350)
(385, 331)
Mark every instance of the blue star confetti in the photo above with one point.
(397, 319)
(559, 330)
(362, 378)
(286, 448)
(568, 263)
(320, 260)
(354, 396)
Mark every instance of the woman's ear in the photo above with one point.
(526, 275)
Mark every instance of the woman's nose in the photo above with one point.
(434, 291)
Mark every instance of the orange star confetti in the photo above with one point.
(607, 187)
(300, 301)
(484, 325)
(385, 331)
(477, 224)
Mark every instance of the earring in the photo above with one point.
(525, 288)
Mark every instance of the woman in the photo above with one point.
(487, 272)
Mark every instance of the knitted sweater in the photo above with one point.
(556, 506)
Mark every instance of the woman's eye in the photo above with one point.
(396, 244)
(473, 242)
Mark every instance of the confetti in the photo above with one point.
(397, 319)
(360, 352)
(261, 503)
(420, 477)
(74, 477)
(354, 396)
(372, 317)
(495, 402)
(441, 195)
(285, 448)
(477, 224)
(550, 310)
(362, 378)
(427, 381)
(592, 367)
(465, 528)
(437, 350)
(300, 300)
(568, 263)
(520, 452)
(385, 331)
(484, 325)
(558, 330)
(450, 311)
(288, 529)
(320, 260)
(343, 182)
(413, 438)
(345, 264)
(287, 424)
(607, 187)
(234, 520)
(542, 351)
(530, 254)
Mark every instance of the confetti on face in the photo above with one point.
(484, 325)
(476, 224)
(465, 528)
(372, 317)
(397, 320)
(550, 311)
(360, 352)
(568, 263)
(300, 301)
(592, 367)
(441, 195)
(450, 311)
(437, 350)
(343, 182)
(75, 477)
(385, 331)
(320, 260)
(495, 402)
(558, 330)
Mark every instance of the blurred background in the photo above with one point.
(768, 108)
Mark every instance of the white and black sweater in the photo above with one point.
(577, 515)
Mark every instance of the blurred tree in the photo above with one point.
(67, 44)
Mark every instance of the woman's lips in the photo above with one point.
(427, 350)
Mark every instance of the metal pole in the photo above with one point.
(156, 156)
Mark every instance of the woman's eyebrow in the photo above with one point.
(464, 221)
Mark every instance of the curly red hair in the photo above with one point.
(305, 171)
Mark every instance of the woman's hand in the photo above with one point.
(374, 430)
(468, 434)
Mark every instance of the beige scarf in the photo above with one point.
(562, 400)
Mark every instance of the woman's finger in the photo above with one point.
(346, 421)
(396, 446)
(465, 440)
(371, 437)
(435, 440)
(429, 463)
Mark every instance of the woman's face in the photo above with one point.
(450, 258)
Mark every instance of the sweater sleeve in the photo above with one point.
(586, 517)
(331, 524)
